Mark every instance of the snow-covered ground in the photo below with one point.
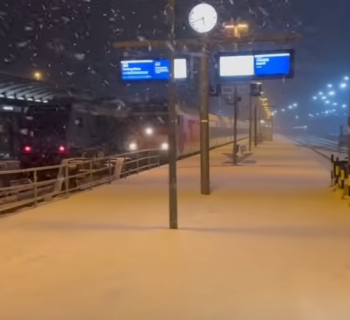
(271, 242)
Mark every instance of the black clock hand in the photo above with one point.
(197, 20)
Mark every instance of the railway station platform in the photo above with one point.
(271, 242)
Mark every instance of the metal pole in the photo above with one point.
(255, 125)
(260, 113)
(349, 133)
(272, 127)
(204, 126)
(172, 124)
(235, 116)
(250, 121)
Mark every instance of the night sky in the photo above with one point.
(70, 41)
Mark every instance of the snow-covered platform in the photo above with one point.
(271, 242)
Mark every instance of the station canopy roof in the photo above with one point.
(18, 88)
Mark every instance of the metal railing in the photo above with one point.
(340, 176)
(29, 187)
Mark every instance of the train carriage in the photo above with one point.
(48, 134)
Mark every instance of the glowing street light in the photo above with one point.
(38, 75)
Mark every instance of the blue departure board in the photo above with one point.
(133, 70)
(272, 64)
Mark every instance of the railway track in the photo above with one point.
(321, 146)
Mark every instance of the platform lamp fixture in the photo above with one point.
(236, 30)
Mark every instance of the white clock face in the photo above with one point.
(203, 18)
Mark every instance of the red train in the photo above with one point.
(151, 131)
(50, 133)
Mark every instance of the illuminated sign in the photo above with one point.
(134, 70)
(257, 65)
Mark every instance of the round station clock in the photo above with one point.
(203, 18)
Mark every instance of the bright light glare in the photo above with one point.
(329, 85)
(165, 146)
(149, 131)
(343, 85)
(283, 110)
(346, 78)
(323, 98)
(133, 146)
(320, 93)
(344, 106)
(315, 98)
(331, 93)
(37, 75)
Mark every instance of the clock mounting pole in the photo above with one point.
(204, 119)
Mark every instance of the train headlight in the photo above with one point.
(132, 146)
(149, 131)
(164, 146)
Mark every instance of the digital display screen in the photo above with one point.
(272, 64)
(135, 70)
(256, 66)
